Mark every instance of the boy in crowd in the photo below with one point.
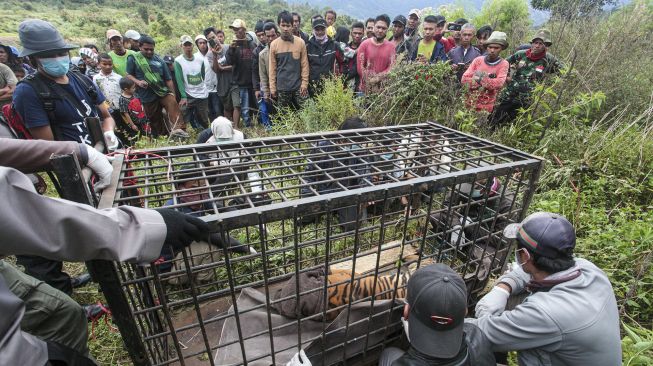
(430, 49)
(190, 74)
(131, 108)
(108, 81)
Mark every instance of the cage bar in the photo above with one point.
(355, 211)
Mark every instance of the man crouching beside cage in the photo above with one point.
(476, 213)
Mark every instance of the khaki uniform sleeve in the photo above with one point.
(304, 61)
(272, 66)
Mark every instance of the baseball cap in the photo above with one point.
(132, 34)
(113, 33)
(168, 59)
(415, 12)
(319, 22)
(545, 233)
(440, 19)
(400, 19)
(185, 39)
(238, 23)
(438, 301)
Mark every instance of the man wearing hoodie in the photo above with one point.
(430, 49)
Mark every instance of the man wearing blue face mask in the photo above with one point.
(570, 316)
(54, 104)
(72, 96)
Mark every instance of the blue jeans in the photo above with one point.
(264, 114)
(215, 106)
(244, 106)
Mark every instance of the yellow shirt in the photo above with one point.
(426, 49)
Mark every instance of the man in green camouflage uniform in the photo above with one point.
(529, 66)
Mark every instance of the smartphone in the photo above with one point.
(212, 43)
(454, 27)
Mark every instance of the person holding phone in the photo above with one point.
(241, 57)
(463, 55)
(431, 48)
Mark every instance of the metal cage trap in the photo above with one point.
(314, 238)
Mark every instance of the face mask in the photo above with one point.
(55, 66)
(386, 156)
(352, 147)
(477, 193)
(517, 261)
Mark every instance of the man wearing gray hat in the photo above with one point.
(570, 315)
(434, 322)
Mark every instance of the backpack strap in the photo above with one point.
(47, 97)
(88, 85)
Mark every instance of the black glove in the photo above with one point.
(60, 355)
(234, 245)
(182, 229)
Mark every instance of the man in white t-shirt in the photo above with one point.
(190, 75)
(210, 77)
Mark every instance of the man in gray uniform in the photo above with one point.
(122, 234)
(570, 316)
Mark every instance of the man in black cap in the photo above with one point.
(570, 315)
(398, 37)
(434, 322)
(324, 57)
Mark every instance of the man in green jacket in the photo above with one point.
(529, 67)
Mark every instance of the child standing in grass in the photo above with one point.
(108, 81)
(131, 109)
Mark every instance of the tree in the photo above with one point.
(509, 16)
(568, 9)
(144, 14)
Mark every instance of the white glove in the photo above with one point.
(299, 359)
(101, 166)
(111, 140)
(493, 303)
(457, 233)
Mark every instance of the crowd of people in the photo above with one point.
(135, 91)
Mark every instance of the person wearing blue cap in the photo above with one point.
(569, 316)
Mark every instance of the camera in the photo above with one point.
(454, 27)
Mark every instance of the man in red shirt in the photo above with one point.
(375, 56)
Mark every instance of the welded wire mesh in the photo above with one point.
(361, 204)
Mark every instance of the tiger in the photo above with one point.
(341, 289)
